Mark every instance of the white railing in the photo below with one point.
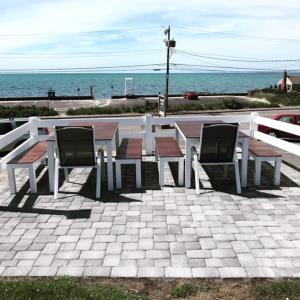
(281, 126)
(144, 127)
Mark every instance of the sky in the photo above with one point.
(209, 34)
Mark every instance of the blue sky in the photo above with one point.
(117, 33)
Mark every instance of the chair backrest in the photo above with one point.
(218, 142)
(75, 146)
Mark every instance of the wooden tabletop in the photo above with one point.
(102, 130)
(191, 129)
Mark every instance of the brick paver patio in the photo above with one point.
(152, 233)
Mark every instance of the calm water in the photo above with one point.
(67, 84)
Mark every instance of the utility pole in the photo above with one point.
(170, 44)
(168, 33)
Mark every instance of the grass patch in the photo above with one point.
(184, 290)
(278, 97)
(149, 106)
(61, 288)
(25, 111)
(282, 289)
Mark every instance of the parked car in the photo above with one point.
(7, 125)
(190, 95)
(287, 118)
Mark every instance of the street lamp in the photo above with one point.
(169, 44)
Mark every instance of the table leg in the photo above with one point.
(110, 173)
(50, 150)
(188, 163)
(245, 144)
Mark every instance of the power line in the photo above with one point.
(231, 34)
(239, 59)
(91, 32)
(81, 68)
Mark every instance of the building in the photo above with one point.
(289, 83)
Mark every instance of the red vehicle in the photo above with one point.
(189, 95)
(287, 118)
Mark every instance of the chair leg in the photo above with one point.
(277, 171)
(257, 171)
(66, 174)
(237, 177)
(56, 174)
(32, 179)
(161, 171)
(118, 175)
(11, 179)
(98, 179)
(180, 171)
(138, 174)
(196, 171)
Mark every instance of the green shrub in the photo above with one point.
(278, 97)
(229, 103)
(281, 289)
(60, 288)
(25, 111)
(184, 290)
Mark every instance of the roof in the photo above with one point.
(294, 79)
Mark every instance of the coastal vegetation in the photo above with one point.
(61, 288)
(25, 111)
(278, 97)
(149, 106)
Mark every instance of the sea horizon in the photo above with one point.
(106, 84)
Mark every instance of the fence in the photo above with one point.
(145, 127)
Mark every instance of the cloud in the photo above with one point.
(137, 25)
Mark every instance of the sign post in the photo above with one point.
(161, 106)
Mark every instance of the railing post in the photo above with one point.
(148, 134)
(253, 124)
(34, 127)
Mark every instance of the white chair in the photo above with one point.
(217, 147)
(76, 149)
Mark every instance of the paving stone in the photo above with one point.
(232, 272)
(128, 271)
(92, 254)
(256, 272)
(27, 254)
(97, 271)
(205, 273)
(16, 271)
(44, 260)
(146, 272)
(43, 271)
(111, 260)
(178, 272)
(70, 271)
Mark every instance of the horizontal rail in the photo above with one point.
(281, 144)
(21, 148)
(13, 135)
(279, 125)
(173, 120)
(134, 121)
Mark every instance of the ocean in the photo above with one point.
(21, 85)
